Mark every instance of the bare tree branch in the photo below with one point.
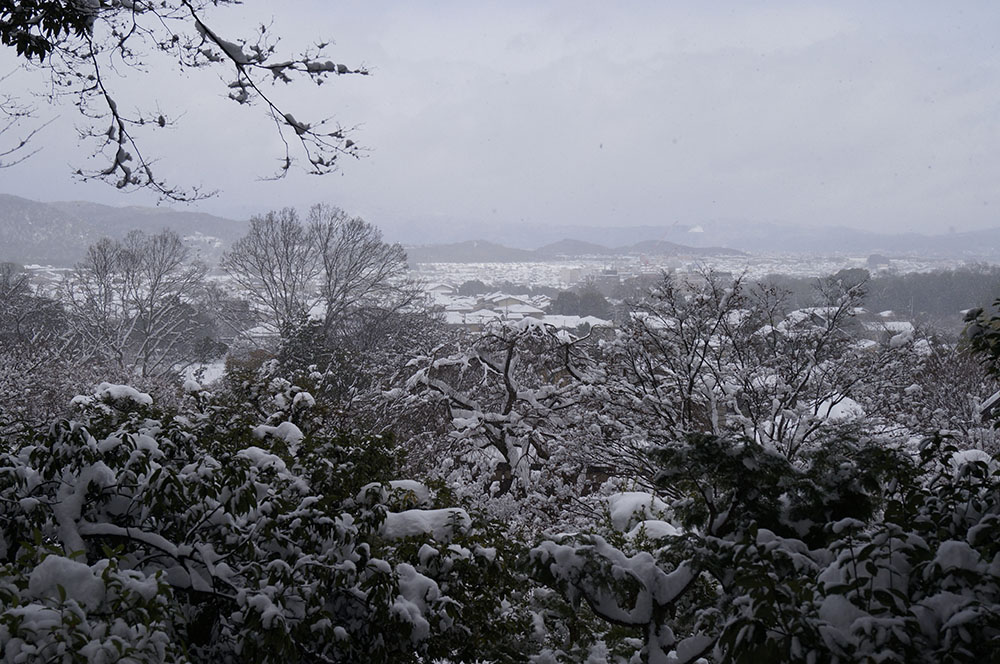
(82, 44)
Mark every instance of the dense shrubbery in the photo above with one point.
(862, 553)
(192, 537)
(725, 477)
(130, 534)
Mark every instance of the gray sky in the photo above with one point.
(875, 115)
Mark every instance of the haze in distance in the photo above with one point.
(524, 115)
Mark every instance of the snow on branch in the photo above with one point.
(112, 38)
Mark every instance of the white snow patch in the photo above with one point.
(964, 457)
(207, 372)
(839, 612)
(79, 581)
(955, 554)
(285, 431)
(654, 529)
(412, 489)
(416, 591)
(625, 507)
(263, 459)
(115, 393)
(901, 339)
(304, 400)
(844, 410)
(442, 524)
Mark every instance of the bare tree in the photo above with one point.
(336, 267)
(27, 317)
(131, 302)
(709, 355)
(12, 114)
(39, 368)
(277, 264)
(230, 313)
(363, 279)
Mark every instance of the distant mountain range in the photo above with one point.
(59, 233)
(764, 237)
(754, 237)
(481, 251)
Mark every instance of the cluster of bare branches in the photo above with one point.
(13, 113)
(131, 302)
(334, 266)
(83, 45)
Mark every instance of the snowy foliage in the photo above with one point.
(865, 554)
(723, 478)
(511, 399)
(129, 533)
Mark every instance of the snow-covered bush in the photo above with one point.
(129, 534)
(919, 584)
(734, 499)
(858, 553)
(511, 407)
(721, 356)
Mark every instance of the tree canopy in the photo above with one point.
(724, 477)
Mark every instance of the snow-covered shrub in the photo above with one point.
(510, 406)
(853, 554)
(919, 584)
(129, 534)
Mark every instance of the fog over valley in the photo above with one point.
(840, 114)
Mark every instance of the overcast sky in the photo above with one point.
(873, 115)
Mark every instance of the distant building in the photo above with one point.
(442, 289)
(574, 323)
(463, 305)
(473, 320)
(607, 280)
(541, 301)
(878, 263)
(570, 275)
(501, 300)
(522, 310)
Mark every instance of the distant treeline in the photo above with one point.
(935, 299)
(932, 299)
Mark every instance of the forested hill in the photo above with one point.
(59, 233)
